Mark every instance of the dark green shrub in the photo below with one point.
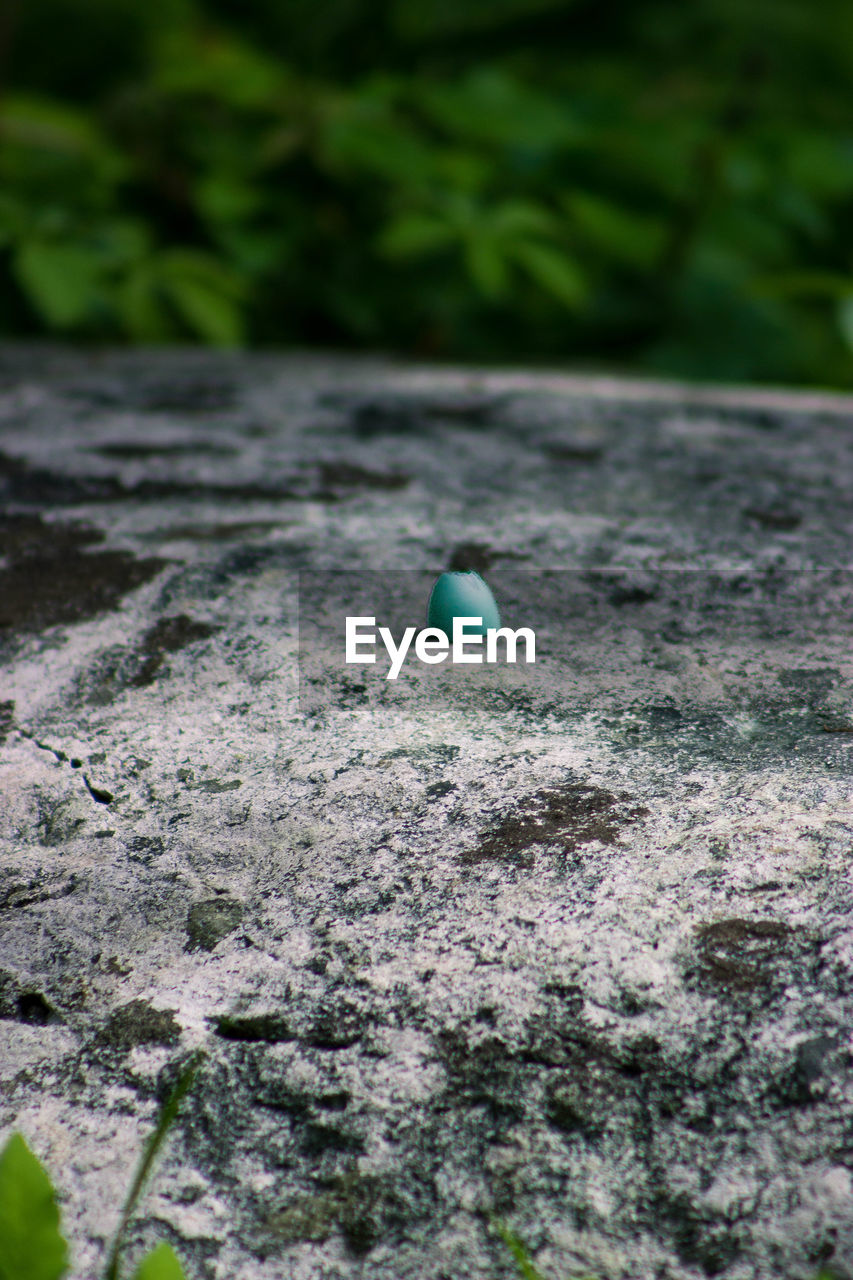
(668, 190)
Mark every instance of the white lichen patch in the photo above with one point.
(572, 950)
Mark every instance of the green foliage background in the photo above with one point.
(656, 185)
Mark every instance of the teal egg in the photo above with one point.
(462, 595)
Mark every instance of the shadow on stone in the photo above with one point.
(168, 635)
(49, 579)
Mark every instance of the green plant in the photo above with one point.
(668, 191)
(522, 1258)
(31, 1244)
(528, 1271)
(526, 1268)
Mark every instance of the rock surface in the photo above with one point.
(572, 947)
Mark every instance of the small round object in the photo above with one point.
(462, 595)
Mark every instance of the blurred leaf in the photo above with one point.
(363, 137)
(523, 217)
(143, 309)
(55, 126)
(804, 284)
(802, 211)
(719, 324)
(220, 66)
(449, 17)
(624, 235)
(845, 319)
(820, 164)
(161, 1264)
(487, 266)
(60, 280)
(13, 221)
(465, 214)
(308, 150)
(226, 198)
(120, 242)
(493, 107)
(31, 1246)
(209, 313)
(651, 158)
(413, 235)
(553, 271)
(466, 170)
(181, 287)
(252, 251)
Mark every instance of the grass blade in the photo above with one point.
(526, 1268)
(165, 1121)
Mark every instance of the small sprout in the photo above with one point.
(31, 1244)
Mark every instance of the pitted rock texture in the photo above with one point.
(578, 956)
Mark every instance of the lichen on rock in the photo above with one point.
(571, 946)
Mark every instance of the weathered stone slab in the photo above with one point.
(572, 948)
